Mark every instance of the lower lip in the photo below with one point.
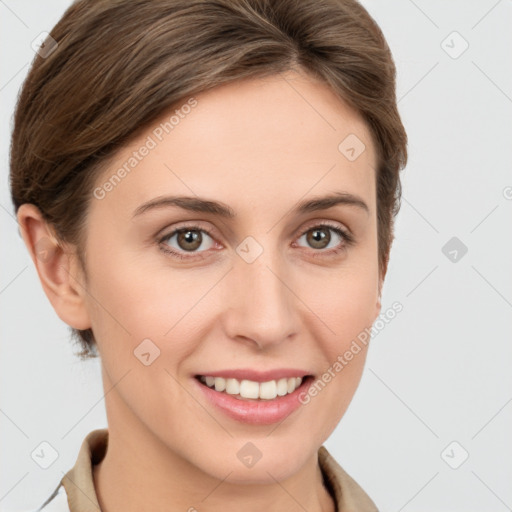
(256, 412)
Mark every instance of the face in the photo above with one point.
(255, 287)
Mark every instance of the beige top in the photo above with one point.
(77, 484)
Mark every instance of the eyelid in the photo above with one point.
(319, 222)
(190, 225)
(187, 225)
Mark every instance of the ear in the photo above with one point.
(57, 266)
(378, 303)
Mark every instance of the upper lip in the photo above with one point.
(256, 375)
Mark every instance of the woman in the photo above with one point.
(207, 190)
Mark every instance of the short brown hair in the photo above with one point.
(120, 64)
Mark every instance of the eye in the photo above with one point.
(188, 240)
(320, 238)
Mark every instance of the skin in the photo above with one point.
(259, 146)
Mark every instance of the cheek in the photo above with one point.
(344, 302)
(347, 306)
(138, 311)
(131, 302)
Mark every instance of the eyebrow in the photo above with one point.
(198, 204)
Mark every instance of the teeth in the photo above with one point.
(249, 389)
(219, 382)
(252, 389)
(282, 387)
(232, 387)
(268, 390)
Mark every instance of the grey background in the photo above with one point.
(438, 373)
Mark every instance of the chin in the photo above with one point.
(260, 461)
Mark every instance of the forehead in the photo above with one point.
(248, 141)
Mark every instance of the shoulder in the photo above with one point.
(57, 502)
(77, 485)
(347, 493)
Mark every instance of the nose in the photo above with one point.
(261, 307)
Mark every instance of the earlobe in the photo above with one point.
(378, 303)
(378, 307)
(56, 266)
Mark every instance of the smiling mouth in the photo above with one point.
(252, 390)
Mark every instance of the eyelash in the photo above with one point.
(348, 240)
